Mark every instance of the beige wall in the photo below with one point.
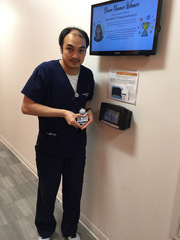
(131, 176)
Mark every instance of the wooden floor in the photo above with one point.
(18, 189)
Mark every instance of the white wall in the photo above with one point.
(131, 176)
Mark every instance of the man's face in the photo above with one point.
(73, 52)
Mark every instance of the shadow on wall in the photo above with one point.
(125, 140)
(103, 140)
(122, 140)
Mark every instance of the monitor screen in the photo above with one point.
(125, 27)
(111, 116)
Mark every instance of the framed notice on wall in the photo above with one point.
(123, 85)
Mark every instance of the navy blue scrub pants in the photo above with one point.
(50, 170)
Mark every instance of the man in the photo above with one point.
(55, 92)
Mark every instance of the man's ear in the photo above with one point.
(61, 50)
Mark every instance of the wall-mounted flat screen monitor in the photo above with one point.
(125, 27)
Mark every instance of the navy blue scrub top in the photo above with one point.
(50, 86)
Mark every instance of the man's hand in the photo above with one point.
(70, 118)
(89, 113)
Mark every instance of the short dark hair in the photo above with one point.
(67, 30)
